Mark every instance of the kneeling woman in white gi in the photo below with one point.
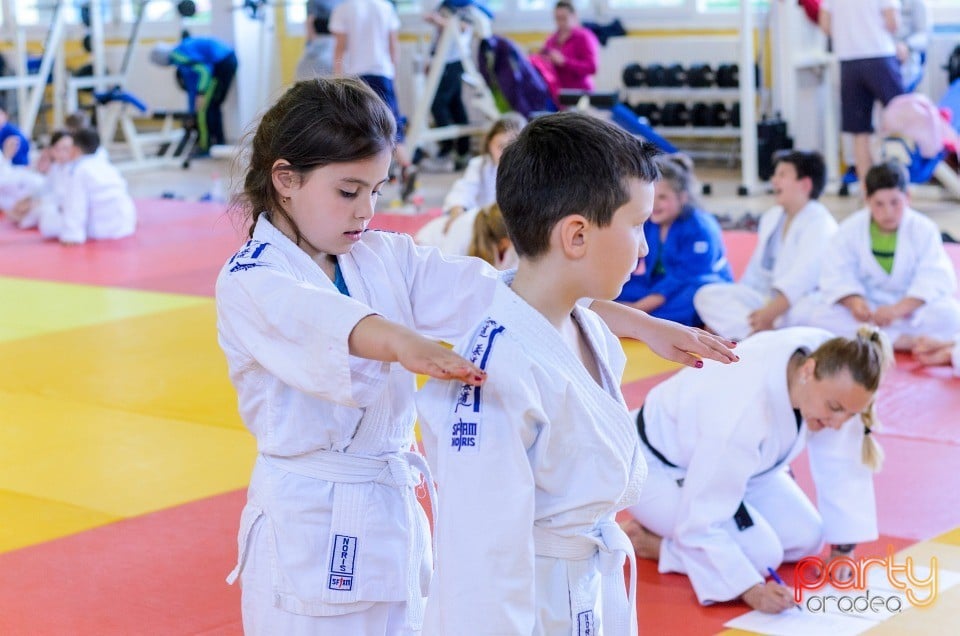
(719, 504)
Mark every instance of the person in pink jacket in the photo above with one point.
(572, 49)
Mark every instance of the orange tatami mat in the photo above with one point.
(123, 462)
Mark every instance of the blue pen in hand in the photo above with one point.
(776, 577)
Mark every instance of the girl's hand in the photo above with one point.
(769, 597)
(688, 345)
(421, 355)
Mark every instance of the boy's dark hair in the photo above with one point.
(57, 135)
(76, 121)
(315, 123)
(87, 140)
(563, 164)
(886, 175)
(808, 164)
(565, 4)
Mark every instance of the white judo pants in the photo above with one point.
(726, 307)
(786, 526)
(939, 319)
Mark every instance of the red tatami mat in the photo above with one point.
(179, 247)
(162, 573)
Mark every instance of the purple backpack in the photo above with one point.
(505, 67)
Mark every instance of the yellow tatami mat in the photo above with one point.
(118, 404)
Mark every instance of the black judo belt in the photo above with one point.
(741, 517)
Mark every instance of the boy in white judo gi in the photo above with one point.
(94, 201)
(533, 466)
(778, 286)
(886, 265)
(311, 312)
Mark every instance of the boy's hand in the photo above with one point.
(769, 597)
(421, 355)
(885, 315)
(857, 305)
(761, 320)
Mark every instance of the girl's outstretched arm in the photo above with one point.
(376, 338)
(669, 340)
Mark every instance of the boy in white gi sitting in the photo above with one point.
(533, 466)
(778, 288)
(886, 265)
(95, 203)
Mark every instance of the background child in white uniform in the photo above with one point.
(887, 266)
(719, 504)
(332, 539)
(476, 189)
(55, 165)
(95, 202)
(778, 286)
(533, 468)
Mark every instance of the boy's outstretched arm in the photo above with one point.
(669, 340)
(376, 338)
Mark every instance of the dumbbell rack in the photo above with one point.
(687, 94)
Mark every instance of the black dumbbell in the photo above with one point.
(656, 75)
(676, 75)
(700, 115)
(709, 115)
(650, 111)
(634, 75)
(719, 114)
(701, 76)
(187, 8)
(675, 114)
(728, 76)
(735, 115)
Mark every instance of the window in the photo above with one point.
(646, 4)
(162, 11)
(708, 6)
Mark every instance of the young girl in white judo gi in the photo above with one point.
(887, 266)
(490, 240)
(533, 467)
(474, 190)
(778, 287)
(720, 504)
(310, 312)
(94, 200)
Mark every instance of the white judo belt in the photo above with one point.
(610, 544)
(403, 471)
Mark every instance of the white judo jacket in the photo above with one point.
(95, 202)
(796, 267)
(724, 426)
(334, 479)
(531, 469)
(921, 267)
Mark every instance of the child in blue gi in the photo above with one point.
(686, 248)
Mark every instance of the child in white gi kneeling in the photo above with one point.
(886, 265)
(533, 466)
